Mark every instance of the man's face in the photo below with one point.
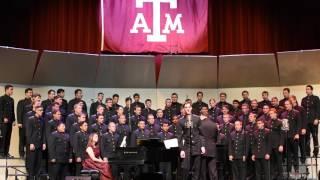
(165, 127)
(159, 113)
(223, 98)
(288, 105)
(100, 97)
(150, 119)
(274, 102)
(9, 91)
(79, 95)
(293, 100)
(51, 95)
(81, 118)
(265, 96)
(235, 105)
(100, 119)
(254, 104)
(112, 127)
(136, 98)
(245, 109)
(84, 127)
(39, 112)
(204, 111)
(29, 94)
(100, 110)
(115, 100)
(265, 109)
(61, 128)
(238, 126)
(122, 119)
(199, 96)
(174, 98)
(273, 115)
(226, 118)
(212, 103)
(188, 108)
(55, 107)
(141, 124)
(245, 95)
(225, 110)
(285, 94)
(128, 103)
(308, 90)
(37, 98)
(260, 124)
(168, 103)
(78, 109)
(61, 94)
(175, 119)
(120, 110)
(59, 101)
(138, 110)
(57, 115)
(252, 117)
(148, 104)
(109, 103)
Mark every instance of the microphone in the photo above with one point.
(189, 122)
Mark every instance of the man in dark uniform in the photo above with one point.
(264, 116)
(209, 131)
(49, 101)
(36, 142)
(196, 106)
(21, 111)
(76, 126)
(52, 125)
(176, 106)
(140, 133)
(80, 142)
(255, 107)
(115, 100)
(128, 111)
(293, 118)
(7, 118)
(238, 151)
(153, 128)
(214, 110)
(134, 120)
(261, 151)
(73, 117)
(286, 95)
(137, 102)
(119, 112)
(244, 116)
(174, 128)
(148, 110)
(60, 153)
(168, 111)
(109, 111)
(108, 144)
(93, 118)
(303, 127)
(265, 99)
(64, 105)
(191, 144)
(236, 108)
(78, 98)
(94, 105)
(123, 130)
(311, 104)
(165, 134)
(226, 127)
(223, 101)
(275, 105)
(250, 129)
(277, 142)
(99, 127)
(160, 117)
(245, 96)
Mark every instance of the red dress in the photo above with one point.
(102, 167)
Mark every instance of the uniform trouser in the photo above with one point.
(292, 154)
(238, 169)
(194, 162)
(276, 164)
(208, 168)
(78, 168)
(312, 130)
(33, 162)
(302, 147)
(250, 174)
(58, 170)
(6, 129)
(262, 169)
(22, 141)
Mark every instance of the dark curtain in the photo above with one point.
(235, 26)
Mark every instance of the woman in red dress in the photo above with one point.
(93, 159)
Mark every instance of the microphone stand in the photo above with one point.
(285, 127)
(190, 126)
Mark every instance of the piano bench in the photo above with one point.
(94, 174)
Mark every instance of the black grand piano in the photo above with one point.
(151, 160)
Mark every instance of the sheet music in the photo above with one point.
(124, 142)
(171, 143)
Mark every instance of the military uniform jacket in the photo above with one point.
(109, 143)
(148, 111)
(165, 135)
(22, 109)
(311, 105)
(209, 131)
(176, 130)
(294, 119)
(197, 139)
(93, 107)
(51, 126)
(123, 130)
(176, 107)
(98, 128)
(238, 145)
(35, 133)
(139, 134)
(261, 143)
(134, 121)
(59, 147)
(154, 129)
(71, 119)
(196, 107)
(7, 108)
(80, 142)
(277, 135)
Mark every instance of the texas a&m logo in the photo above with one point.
(157, 34)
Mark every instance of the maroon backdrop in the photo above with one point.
(243, 26)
